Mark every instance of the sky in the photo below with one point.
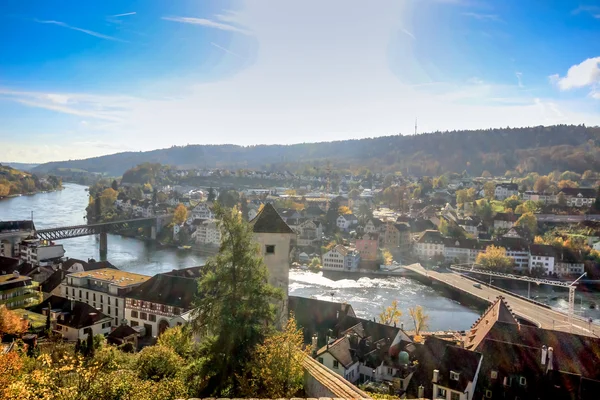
(80, 79)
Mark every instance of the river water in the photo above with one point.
(368, 296)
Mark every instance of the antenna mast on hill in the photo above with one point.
(415, 125)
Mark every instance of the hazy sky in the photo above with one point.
(86, 78)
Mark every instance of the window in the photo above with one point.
(101, 307)
(87, 295)
(336, 364)
(454, 375)
(73, 292)
(176, 310)
(134, 323)
(390, 371)
(101, 299)
(117, 303)
(143, 316)
(80, 294)
(488, 394)
(116, 311)
(134, 314)
(522, 381)
(94, 297)
(108, 309)
(108, 300)
(270, 249)
(494, 374)
(152, 306)
(152, 317)
(321, 360)
(454, 396)
(441, 392)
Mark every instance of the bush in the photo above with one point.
(158, 362)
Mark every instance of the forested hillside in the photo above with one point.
(14, 181)
(540, 149)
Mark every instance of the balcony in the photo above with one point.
(30, 297)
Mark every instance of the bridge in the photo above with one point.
(526, 309)
(103, 229)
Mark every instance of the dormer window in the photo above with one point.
(454, 376)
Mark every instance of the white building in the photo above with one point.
(308, 232)
(505, 190)
(463, 251)
(11, 234)
(35, 252)
(546, 198)
(579, 197)
(104, 289)
(73, 319)
(202, 211)
(207, 233)
(429, 245)
(337, 357)
(345, 221)
(456, 378)
(542, 256)
(518, 250)
(341, 258)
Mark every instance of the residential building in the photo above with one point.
(346, 221)
(104, 289)
(463, 250)
(579, 197)
(456, 376)
(505, 190)
(368, 246)
(541, 257)
(274, 237)
(202, 211)
(546, 198)
(37, 253)
(518, 250)
(155, 302)
(505, 220)
(309, 232)
(396, 236)
(569, 262)
(373, 225)
(430, 245)
(207, 233)
(73, 319)
(341, 258)
(337, 357)
(18, 291)
(11, 235)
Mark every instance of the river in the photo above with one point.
(368, 296)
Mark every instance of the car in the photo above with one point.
(477, 285)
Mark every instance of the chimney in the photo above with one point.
(315, 341)
(436, 374)
(544, 354)
(402, 325)
(421, 392)
(550, 358)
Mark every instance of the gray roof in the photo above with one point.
(268, 220)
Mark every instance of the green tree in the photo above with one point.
(211, 195)
(364, 213)
(114, 185)
(484, 210)
(178, 339)
(244, 207)
(495, 258)
(228, 198)
(391, 314)
(180, 214)
(157, 363)
(331, 216)
(234, 307)
(528, 221)
(512, 202)
(570, 176)
(489, 190)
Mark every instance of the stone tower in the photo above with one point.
(274, 237)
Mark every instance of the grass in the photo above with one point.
(497, 206)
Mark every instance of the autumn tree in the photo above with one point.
(180, 214)
(528, 221)
(387, 257)
(344, 210)
(566, 184)
(391, 314)
(11, 323)
(4, 190)
(234, 307)
(420, 319)
(512, 202)
(354, 194)
(276, 370)
(541, 184)
(489, 190)
(495, 258)
(486, 174)
(484, 210)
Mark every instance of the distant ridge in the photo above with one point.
(540, 149)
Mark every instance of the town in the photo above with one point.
(532, 227)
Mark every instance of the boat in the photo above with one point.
(184, 247)
(593, 306)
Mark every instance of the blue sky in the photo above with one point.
(81, 79)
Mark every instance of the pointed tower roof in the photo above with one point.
(268, 220)
(499, 311)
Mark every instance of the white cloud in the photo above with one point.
(123, 15)
(208, 23)
(483, 17)
(519, 79)
(225, 50)
(585, 74)
(408, 33)
(86, 31)
(308, 82)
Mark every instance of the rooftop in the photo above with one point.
(113, 276)
(268, 220)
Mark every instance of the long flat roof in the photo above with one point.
(112, 276)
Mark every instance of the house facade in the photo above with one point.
(336, 356)
(17, 291)
(346, 221)
(505, 190)
(505, 220)
(104, 289)
(341, 258)
(309, 232)
(546, 198)
(202, 211)
(35, 252)
(430, 245)
(207, 233)
(368, 246)
(542, 257)
(579, 197)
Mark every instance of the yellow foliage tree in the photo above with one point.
(420, 319)
(528, 221)
(387, 257)
(180, 214)
(391, 314)
(566, 184)
(4, 190)
(495, 258)
(344, 210)
(276, 370)
(11, 323)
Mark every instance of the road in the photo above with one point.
(544, 317)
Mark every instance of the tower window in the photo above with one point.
(270, 249)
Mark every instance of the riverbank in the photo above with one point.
(11, 196)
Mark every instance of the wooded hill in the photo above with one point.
(540, 149)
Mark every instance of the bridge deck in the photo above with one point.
(66, 232)
(544, 317)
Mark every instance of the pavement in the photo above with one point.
(544, 317)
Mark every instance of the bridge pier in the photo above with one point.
(103, 246)
(153, 232)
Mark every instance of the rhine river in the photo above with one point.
(366, 295)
